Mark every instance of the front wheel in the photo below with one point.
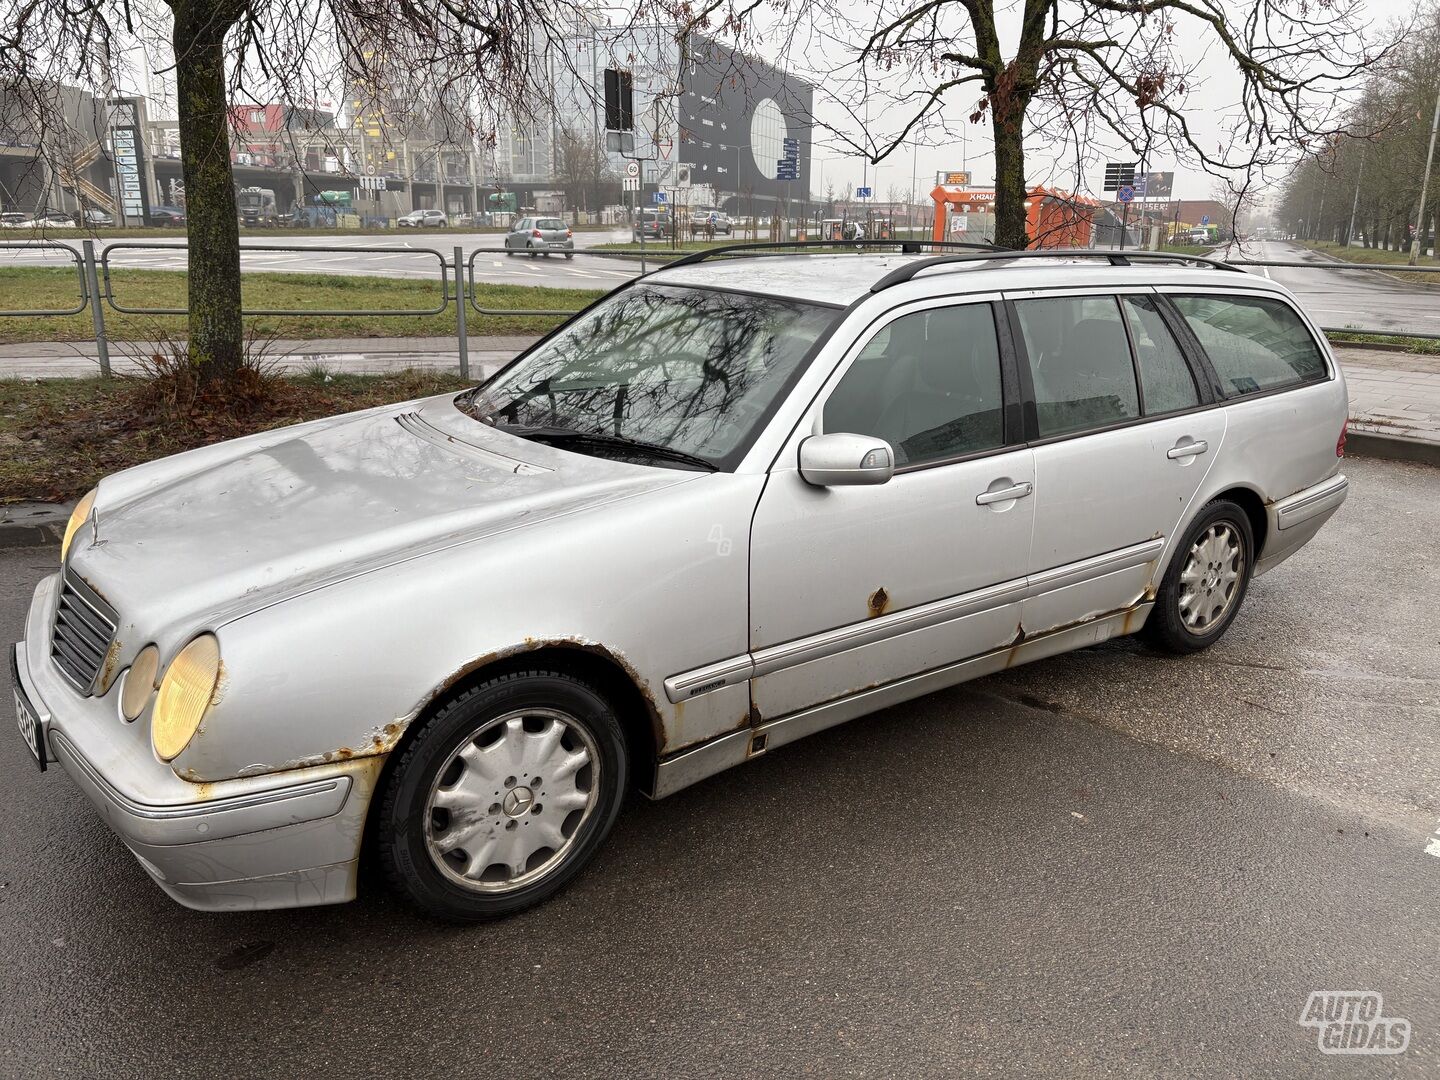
(1206, 581)
(503, 797)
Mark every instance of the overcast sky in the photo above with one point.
(1207, 106)
(969, 145)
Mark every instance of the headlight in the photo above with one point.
(77, 518)
(139, 682)
(185, 694)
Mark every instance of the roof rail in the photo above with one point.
(779, 247)
(1115, 258)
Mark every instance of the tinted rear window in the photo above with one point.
(551, 223)
(1254, 343)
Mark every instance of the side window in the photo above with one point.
(1255, 343)
(928, 384)
(1165, 378)
(1079, 361)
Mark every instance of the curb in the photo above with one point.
(1378, 268)
(33, 524)
(1372, 444)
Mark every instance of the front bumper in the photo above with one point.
(287, 839)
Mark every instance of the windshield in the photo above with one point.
(692, 370)
(250, 200)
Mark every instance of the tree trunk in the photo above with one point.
(216, 336)
(1007, 121)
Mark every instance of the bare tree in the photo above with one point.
(422, 64)
(581, 167)
(1083, 71)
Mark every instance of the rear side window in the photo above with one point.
(1165, 377)
(1080, 366)
(1254, 343)
(928, 384)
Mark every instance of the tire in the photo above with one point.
(570, 255)
(413, 827)
(1203, 588)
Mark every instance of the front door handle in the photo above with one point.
(1018, 491)
(1187, 449)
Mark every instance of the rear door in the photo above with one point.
(1123, 434)
(852, 587)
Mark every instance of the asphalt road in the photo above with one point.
(1341, 298)
(1107, 864)
(405, 254)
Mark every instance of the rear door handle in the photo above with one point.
(1019, 491)
(1190, 449)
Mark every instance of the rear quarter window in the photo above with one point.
(1254, 343)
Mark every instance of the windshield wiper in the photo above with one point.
(605, 440)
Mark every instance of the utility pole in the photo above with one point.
(1355, 205)
(1425, 186)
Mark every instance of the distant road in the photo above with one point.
(405, 256)
(1341, 298)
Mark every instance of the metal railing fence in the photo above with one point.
(460, 280)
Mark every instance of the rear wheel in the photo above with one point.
(1205, 582)
(503, 797)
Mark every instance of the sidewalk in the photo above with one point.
(1392, 394)
(78, 359)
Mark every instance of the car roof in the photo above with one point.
(846, 278)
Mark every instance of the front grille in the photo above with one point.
(84, 630)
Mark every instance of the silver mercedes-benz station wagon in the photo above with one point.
(735, 502)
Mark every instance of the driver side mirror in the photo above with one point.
(843, 460)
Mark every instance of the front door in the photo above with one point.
(1122, 441)
(852, 587)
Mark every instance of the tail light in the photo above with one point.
(1340, 442)
(536, 234)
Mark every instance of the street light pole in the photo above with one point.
(1425, 186)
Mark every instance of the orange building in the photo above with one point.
(1053, 218)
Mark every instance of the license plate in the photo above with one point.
(29, 729)
(25, 717)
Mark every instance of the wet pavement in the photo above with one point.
(1108, 863)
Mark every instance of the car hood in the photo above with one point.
(214, 534)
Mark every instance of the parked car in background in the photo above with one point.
(451, 634)
(94, 218)
(652, 225)
(464, 219)
(423, 219)
(13, 219)
(540, 236)
(166, 217)
(703, 218)
(51, 219)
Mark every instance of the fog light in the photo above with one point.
(139, 682)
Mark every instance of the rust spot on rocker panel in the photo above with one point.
(879, 602)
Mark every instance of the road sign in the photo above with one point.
(714, 218)
(787, 169)
(1126, 193)
(630, 183)
(632, 168)
(791, 144)
(661, 198)
(1205, 220)
(864, 192)
(1119, 174)
(956, 179)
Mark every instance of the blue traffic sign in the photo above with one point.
(790, 144)
(864, 192)
(1126, 193)
(1205, 219)
(661, 198)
